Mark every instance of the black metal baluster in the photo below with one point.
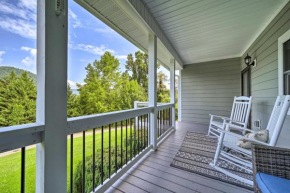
(94, 161)
(131, 139)
(169, 114)
(159, 123)
(144, 128)
(23, 169)
(141, 134)
(126, 141)
(164, 121)
(109, 150)
(121, 144)
(134, 138)
(147, 129)
(138, 146)
(116, 147)
(71, 162)
(84, 161)
(102, 162)
(149, 134)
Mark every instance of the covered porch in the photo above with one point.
(203, 43)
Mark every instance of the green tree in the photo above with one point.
(72, 103)
(106, 89)
(138, 68)
(17, 99)
(163, 93)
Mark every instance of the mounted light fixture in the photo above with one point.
(248, 61)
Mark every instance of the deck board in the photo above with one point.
(153, 173)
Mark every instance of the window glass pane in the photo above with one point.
(287, 55)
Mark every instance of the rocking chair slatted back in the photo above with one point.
(241, 109)
(277, 118)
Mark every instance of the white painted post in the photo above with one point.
(152, 88)
(179, 96)
(51, 154)
(172, 91)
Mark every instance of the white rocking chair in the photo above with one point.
(239, 116)
(229, 139)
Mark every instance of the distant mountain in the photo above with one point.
(5, 70)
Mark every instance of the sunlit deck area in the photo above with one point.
(153, 173)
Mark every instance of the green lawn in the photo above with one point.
(10, 167)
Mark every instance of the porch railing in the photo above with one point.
(125, 139)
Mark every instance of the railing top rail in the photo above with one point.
(18, 136)
(20, 130)
(164, 106)
(78, 124)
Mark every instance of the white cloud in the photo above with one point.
(74, 20)
(19, 26)
(73, 84)
(19, 19)
(97, 50)
(1, 54)
(30, 61)
(121, 57)
(104, 30)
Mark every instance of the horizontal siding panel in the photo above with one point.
(212, 78)
(213, 87)
(269, 84)
(268, 76)
(213, 91)
(209, 88)
(228, 81)
(265, 75)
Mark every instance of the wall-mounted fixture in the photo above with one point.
(248, 61)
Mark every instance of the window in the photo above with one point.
(284, 64)
(286, 55)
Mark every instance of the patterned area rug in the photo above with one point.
(195, 154)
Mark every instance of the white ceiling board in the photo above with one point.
(212, 29)
(193, 30)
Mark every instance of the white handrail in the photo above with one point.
(18, 136)
(78, 124)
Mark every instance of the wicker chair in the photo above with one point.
(270, 160)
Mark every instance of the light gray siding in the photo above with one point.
(209, 88)
(265, 75)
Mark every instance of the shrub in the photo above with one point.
(78, 174)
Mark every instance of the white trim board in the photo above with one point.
(282, 39)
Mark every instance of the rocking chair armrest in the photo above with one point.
(242, 137)
(222, 117)
(271, 160)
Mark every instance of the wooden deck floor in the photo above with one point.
(154, 174)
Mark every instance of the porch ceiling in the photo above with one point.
(212, 29)
(196, 30)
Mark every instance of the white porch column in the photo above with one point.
(172, 90)
(179, 96)
(51, 154)
(152, 87)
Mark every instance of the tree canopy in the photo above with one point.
(106, 89)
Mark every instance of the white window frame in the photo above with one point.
(282, 39)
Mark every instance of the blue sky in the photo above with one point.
(89, 38)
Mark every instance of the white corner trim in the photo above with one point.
(282, 39)
(278, 10)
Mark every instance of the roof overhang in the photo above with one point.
(133, 21)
